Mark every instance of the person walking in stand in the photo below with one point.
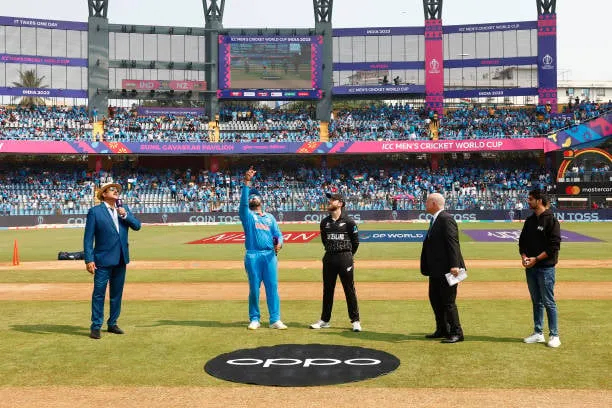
(263, 240)
(539, 245)
(107, 225)
(340, 238)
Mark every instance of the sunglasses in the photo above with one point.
(112, 189)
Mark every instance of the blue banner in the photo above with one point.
(44, 92)
(492, 62)
(40, 60)
(165, 111)
(490, 93)
(372, 66)
(449, 29)
(269, 94)
(376, 31)
(37, 23)
(484, 28)
(378, 89)
(314, 217)
(547, 60)
(392, 236)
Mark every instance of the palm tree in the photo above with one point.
(28, 79)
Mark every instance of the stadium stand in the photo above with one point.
(251, 124)
(68, 188)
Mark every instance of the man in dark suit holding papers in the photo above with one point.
(440, 255)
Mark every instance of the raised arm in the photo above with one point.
(243, 210)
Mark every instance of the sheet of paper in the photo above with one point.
(453, 280)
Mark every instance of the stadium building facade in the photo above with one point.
(94, 61)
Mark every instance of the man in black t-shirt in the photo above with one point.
(340, 238)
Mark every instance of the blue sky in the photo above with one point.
(583, 30)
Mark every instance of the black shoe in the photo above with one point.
(435, 335)
(95, 334)
(115, 329)
(453, 339)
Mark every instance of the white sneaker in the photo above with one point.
(554, 342)
(320, 325)
(534, 338)
(278, 325)
(254, 325)
(356, 326)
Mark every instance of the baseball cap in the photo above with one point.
(335, 196)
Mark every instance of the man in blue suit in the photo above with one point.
(107, 225)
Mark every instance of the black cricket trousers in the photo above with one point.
(334, 265)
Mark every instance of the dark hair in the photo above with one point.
(539, 195)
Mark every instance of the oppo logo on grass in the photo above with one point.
(309, 362)
(295, 365)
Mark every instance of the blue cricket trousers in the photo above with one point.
(262, 266)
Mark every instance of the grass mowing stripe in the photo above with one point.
(169, 243)
(301, 275)
(167, 343)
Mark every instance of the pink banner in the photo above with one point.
(434, 66)
(35, 146)
(452, 146)
(147, 85)
(417, 146)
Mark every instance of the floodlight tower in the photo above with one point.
(547, 53)
(213, 14)
(97, 56)
(323, 26)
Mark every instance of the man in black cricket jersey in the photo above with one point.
(340, 238)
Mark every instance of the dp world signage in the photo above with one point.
(392, 236)
(299, 365)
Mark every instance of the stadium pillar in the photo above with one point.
(547, 53)
(323, 26)
(213, 14)
(434, 57)
(97, 57)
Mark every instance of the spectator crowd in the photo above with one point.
(287, 186)
(246, 123)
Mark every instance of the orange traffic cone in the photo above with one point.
(15, 253)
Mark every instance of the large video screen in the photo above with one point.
(269, 62)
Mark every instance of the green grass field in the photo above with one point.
(164, 243)
(45, 343)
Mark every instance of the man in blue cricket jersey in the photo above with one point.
(263, 240)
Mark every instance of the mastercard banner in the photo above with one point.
(584, 188)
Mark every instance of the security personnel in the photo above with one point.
(340, 237)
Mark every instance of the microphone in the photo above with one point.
(119, 203)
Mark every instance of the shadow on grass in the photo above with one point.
(400, 337)
(51, 328)
(197, 323)
(373, 336)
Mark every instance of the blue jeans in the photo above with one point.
(541, 284)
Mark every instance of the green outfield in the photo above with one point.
(45, 343)
(170, 243)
